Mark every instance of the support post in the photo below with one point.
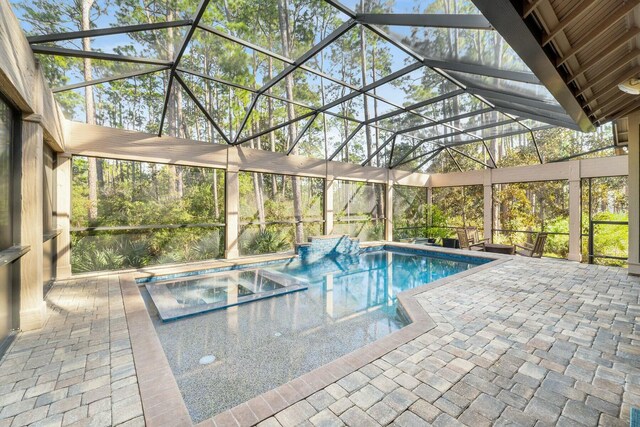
(388, 209)
(487, 217)
(232, 205)
(62, 215)
(328, 202)
(575, 198)
(634, 193)
(429, 204)
(32, 305)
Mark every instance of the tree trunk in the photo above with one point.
(285, 34)
(212, 98)
(375, 103)
(272, 135)
(363, 60)
(90, 111)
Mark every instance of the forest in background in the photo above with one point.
(138, 207)
(224, 76)
(521, 210)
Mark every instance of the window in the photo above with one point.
(48, 216)
(409, 212)
(456, 207)
(278, 210)
(132, 214)
(8, 302)
(605, 220)
(521, 210)
(6, 131)
(359, 209)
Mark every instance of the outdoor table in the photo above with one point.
(499, 249)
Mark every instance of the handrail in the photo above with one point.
(358, 219)
(13, 253)
(50, 235)
(560, 233)
(285, 222)
(610, 222)
(591, 255)
(144, 227)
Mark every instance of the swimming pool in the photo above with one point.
(223, 358)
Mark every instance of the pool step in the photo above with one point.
(328, 245)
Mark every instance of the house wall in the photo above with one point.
(39, 121)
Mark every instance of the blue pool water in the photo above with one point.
(370, 281)
(350, 302)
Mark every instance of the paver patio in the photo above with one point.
(527, 342)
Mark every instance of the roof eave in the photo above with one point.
(507, 20)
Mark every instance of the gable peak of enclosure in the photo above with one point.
(421, 86)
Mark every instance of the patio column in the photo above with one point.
(429, 203)
(32, 305)
(328, 201)
(487, 218)
(575, 198)
(63, 215)
(231, 212)
(634, 193)
(388, 209)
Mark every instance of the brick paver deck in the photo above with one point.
(527, 342)
(78, 370)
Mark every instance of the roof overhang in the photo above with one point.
(508, 21)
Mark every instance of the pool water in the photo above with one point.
(188, 296)
(352, 284)
(350, 302)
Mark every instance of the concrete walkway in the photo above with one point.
(527, 342)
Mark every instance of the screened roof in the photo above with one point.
(389, 83)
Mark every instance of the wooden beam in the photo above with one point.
(610, 70)
(530, 7)
(617, 80)
(596, 32)
(630, 109)
(615, 96)
(605, 114)
(89, 140)
(605, 52)
(571, 17)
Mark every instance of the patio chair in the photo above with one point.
(474, 236)
(463, 238)
(535, 250)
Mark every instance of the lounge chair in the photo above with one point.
(535, 250)
(463, 238)
(474, 236)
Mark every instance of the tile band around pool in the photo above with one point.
(222, 359)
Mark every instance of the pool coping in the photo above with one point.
(162, 400)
